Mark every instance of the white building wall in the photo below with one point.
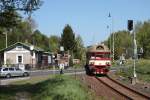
(12, 55)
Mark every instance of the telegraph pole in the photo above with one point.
(5, 33)
(6, 39)
(113, 44)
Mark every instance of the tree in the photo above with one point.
(79, 49)
(54, 43)
(32, 24)
(8, 9)
(68, 38)
(40, 40)
(22, 32)
(9, 18)
(143, 38)
(19, 33)
(22, 5)
(123, 44)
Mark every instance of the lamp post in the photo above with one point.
(112, 36)
(109, 39)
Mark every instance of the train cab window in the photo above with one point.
(101, 56)
(92, 57)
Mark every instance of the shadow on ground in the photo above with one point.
(28, 91)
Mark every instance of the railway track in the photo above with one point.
(101, 91)
(123, 90)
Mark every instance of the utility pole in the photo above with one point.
(113, 44)
(109, 31)
(5, 33)
(6, 37)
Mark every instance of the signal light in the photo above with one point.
(130, 25)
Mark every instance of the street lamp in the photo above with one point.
(113, 36)
(109, 39)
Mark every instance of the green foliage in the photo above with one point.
(79, 50)
(54, 42)
(22, 5)
(68, 38)
(61, 88)
(142, 70)
(123, 43)
(23, 33)
(143, 38)
(55, 88)
(9, 18)
(143, 66)
(8, 9)
(40, 40)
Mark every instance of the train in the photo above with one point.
(98, 59)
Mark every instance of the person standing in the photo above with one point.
(61, 67)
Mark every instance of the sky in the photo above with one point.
(89, 18)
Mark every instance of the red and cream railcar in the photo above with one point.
(98, 59)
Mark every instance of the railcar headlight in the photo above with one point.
(107, 63)
(91, 63)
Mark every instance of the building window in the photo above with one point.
(19, 47)
(19, 59)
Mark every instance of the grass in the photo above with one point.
(142, 70)
(58, 87)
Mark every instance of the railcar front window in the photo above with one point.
(103, 56)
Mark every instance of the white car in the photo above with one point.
(12, 71)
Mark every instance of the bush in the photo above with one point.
(142, 70)
(61, 88)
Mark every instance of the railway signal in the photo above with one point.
(130, 28)
(130, 25)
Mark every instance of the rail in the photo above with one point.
(118, 87)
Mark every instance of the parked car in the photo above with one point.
(12, 71)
